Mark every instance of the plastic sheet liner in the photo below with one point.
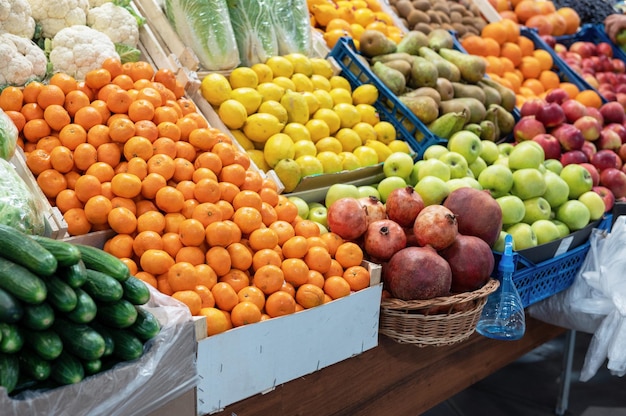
(165, 371)
(19, 208)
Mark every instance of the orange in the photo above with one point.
(534, 85)
(147, 278)
(35, 129)
(252, 294)
(295, 247)
(203, 138)
(473, 44)
(225, 296)
(162, 164)
(494, 30)
(295, 271)
(269, 278)
(336, 287)
(191, 299)
(56, 116)
(494, 65)
(530, 67)
(169, 199)
(208, 160)
(171, 243)
(62, 159)
(492, 47)
(558, 22)
(87, 117)
(151, 221)
(122, 220)
(66, 199)
(280, 303)
(264, 257)
(87, 186)
(571, 89)
(333, 241)
(220, 233)
(236, 278)
(358, 277)
(97, 209)
(219, 259)
(349, 254)
(75, 100)
(205, 275)
(182, 276)
(126, 185)
(307, 228)
(207, 190)
(77, 223)
(234, 173)
(285, 209)
(590, 98)
(261, 238)
(165, 145)
(147, 129)
(51, 182)
(97, 135)
(38, 160)
(141, 109)
(97, 78)
(50, 94)
(309, 295)
(207, 213)
(247, 219)
(18, 119)
(512, 29)
(284, 231)
(85, 155)
(316, 278)
(191, 232)
(541, 23)
(318, 258)
(247, 198)
(228, 191)
(245, 313)
(11, 99)
(240, 256)
(335, 269)
(191, 254)
(572, 19)
(526, 9)
(549, 79)
(156, 261)
(147, 240)
(217, 321)
(208, 301)
(511, 51)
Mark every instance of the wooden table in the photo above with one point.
(396, 379)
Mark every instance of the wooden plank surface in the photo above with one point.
(394, 378)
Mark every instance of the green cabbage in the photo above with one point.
(254, 30)
(292, 25)
(8, 136)
(204, 26)
(18, 206)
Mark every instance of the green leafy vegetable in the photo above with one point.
(254, 30)
(292, 26)
(18, 206)
(8, 136)
(127, 53)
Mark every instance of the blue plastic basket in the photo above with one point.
(389, 107)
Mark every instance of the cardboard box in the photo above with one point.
(254, 359)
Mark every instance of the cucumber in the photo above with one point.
(75, 275)
(146, 326)
(9, 371)
(105, 332)
(92, 366)
(11, 309)
(119, 314)
(100, 260)
(102, 287)
(80, 339)
(47, 343)
(136, 291)
(66, 253)
(128, 346)
(23, 250)
(12, 338)
(60, 294)
(38, 317)
(31, 364)
(21, 282)
(67, 369)
(85, 310)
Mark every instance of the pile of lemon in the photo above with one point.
(295, 115)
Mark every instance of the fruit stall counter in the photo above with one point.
(395, 378)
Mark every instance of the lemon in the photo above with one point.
(349, 139)
(302, 82)
(318, 129)
(357, 31)
(382, 150)
(260, 126)
(329, 144)
(312, 102)
(263, 72)
(301, 63)
(348, 114)
(349, 161)
(337, 81)
(366, 155)
(365, 94)
(249, 97)
(324, 98)
(385, 132)
(297, 131)
(365, 131)
(322, 67)
(257, 157)
(241, 138)
(330, 117)
(275, 108)
(232, 113)
(399, 146)
(243, 77)
(304, 147)
(369, 113)
(320, 82)
(280, 66)
(331, 161)
(340, 95)
(277, 147)
(285, 82)
(215, 88)
(270, 91)
(310, 165)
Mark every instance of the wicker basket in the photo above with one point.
(434, 322)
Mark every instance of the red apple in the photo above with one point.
(530, 106)
(620, 97)
(593, 171)
(594, 112)
(583, 48)
(619, 66)
(573, 110)
(589, 127)
(569, 136)
(527, 127)
(615, 180)
(609, 140)
(551, 146)
(551, 114)
(622, 153)
(557, 95)
(613, 112)
(607, 196)
(604, 48)
(619, 129)
(573, 157)
(589, 149)
(605, 158)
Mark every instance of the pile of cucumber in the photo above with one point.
(66, 311)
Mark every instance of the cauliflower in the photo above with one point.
(58, 14)
(22, 60)
(116, 22)
(16, 18)
(96, 3)
(78, 49)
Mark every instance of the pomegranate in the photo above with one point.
(477, 213)
(435, 226)
(403, 205)
(346, 217)
(471, 261)
(374, 208)
(417, 273)
(383, 239)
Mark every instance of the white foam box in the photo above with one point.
(249, 360)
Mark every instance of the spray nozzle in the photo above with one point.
(506, 262)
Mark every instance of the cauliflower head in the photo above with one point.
(58, 14)
(22, 60)
(78, 49)
(116, 22)
(16, 18)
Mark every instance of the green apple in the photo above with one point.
(304, 147)
(331, 161)
(523, 235)
(434, 151)
(536, 208)
(457, 183)
(398, 164)
(366, 155)
(562, 227)
(457, 163)
(318, 214)
(513, 209)
(594, 203)
(477, 166)
(322, 227)
(546, 231)
(578, 179)
(526, 154)
(553, 165)
(465, 143)
(388, 184)
(310, 165)
(303, 206)
(505, 148)
(499, 244)
(502, 160)
(433, 167)
(472, 182)
(497, 179)
(414, 176)
(528, 183)
(340, 190)
(368, 190)
(490, 152)
(349, 161)
(574, 214)
(432, 189)
(557, 190)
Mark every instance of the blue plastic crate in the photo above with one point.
(389, 107)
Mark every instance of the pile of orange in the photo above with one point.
(541, 15)
(126, 150)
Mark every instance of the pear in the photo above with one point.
(393, 56)
(400, 65)
(492, 96)
(289, 173)
(392, 78)
(506, 94)
(468, 90)
(374, 43)
(440, 38)
(445, 68)
(472, 67)
(448, 124)
(425, 108)
(423, 73)
(489, 131)
(445, 89)
(504, 119)
(427, 91)
(412, 41)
